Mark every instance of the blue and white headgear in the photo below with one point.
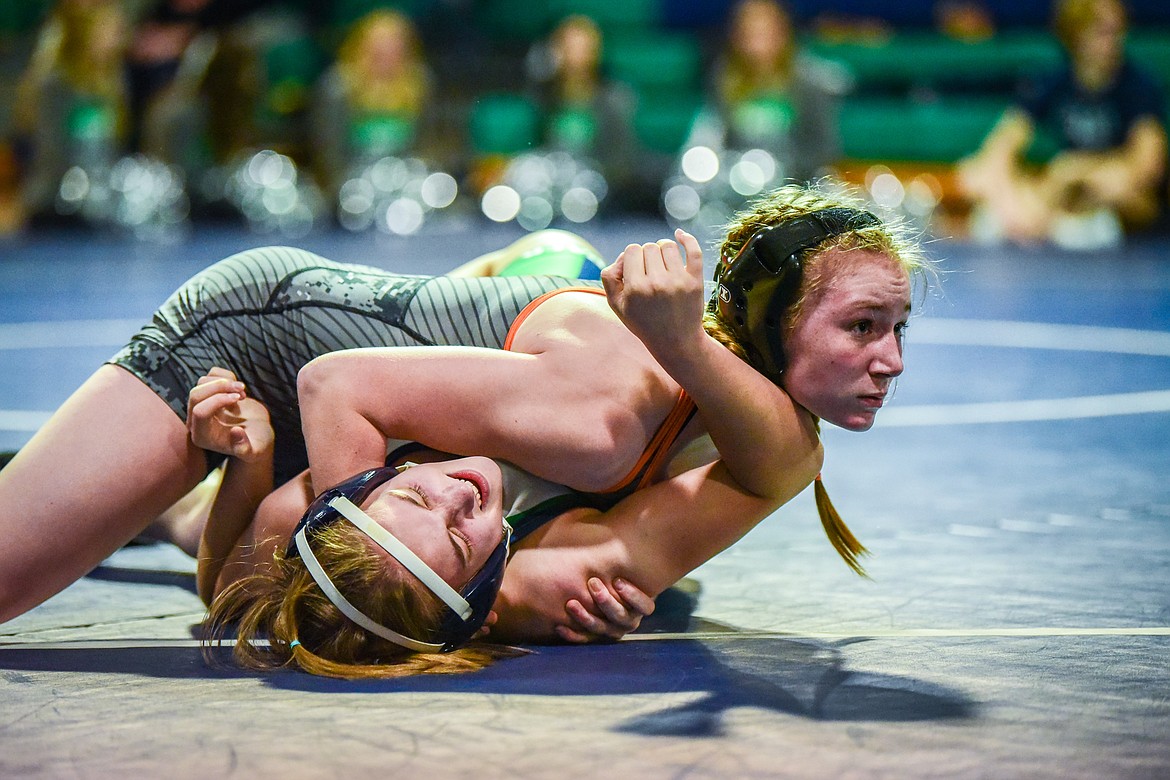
(466, 609)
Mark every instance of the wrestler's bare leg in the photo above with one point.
(108, 462)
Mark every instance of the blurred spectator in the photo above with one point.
(557, 152)
(1104, 116)
(11, 207)
(72, 106)
(160, 41)
(584, 113)
(964, 20)
(375, 101)
(167, 61)
(767, 93)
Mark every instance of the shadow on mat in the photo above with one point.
(178, 579)
(797, 677)
(794, 676)
(174, 663)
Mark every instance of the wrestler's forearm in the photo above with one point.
(340, 440)
(244, 486)
(761, 434)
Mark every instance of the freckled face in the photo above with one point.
(846, 349)
(449, 513)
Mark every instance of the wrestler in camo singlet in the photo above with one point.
(265, 313)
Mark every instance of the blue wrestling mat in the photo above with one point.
(1017, 624)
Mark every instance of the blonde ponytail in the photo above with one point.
(843, 540)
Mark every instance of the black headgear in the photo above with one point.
(456, 627)
(757, 286)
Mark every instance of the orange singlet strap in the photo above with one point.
(531, 307)
(659, 446)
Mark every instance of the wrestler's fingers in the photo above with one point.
(486, 628)
(612, 276)
(217, 388)
(208, 408)
(239, 442)
(613, 610)
(694, 251)
(217, 374)
(671, 257)
(211, 387)
(635, 262)
(584, 620)
(217, 371)
(634, 598)
(654, 262)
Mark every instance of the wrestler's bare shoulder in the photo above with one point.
(615, 404)
(571, 317)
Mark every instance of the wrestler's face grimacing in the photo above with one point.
(845, 350)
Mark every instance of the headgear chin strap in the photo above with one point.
(756, 287)
(466, 610)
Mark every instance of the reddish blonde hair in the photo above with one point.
(891, 238)
(306, 631)
(407, 91)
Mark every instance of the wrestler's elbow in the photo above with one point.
(782, 481)
(319, 379)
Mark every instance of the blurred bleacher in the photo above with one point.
(922, 96)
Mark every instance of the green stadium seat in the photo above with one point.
(343, 13)
(22, 17)
(522, 21)
(899, 129)
(915, 59)
(503, 123)
(654, 60)
(296, 60)
(662, 120)
(1151, 49)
